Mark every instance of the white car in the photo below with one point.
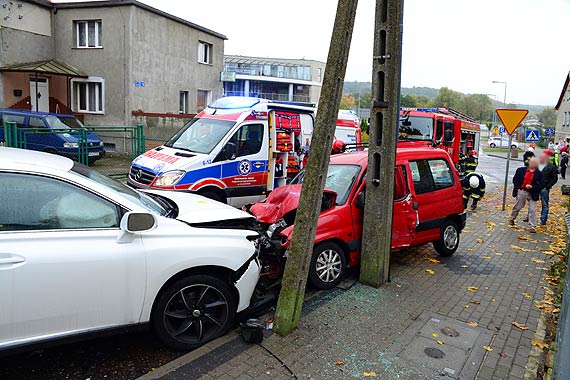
(81, 253)
(502, 142)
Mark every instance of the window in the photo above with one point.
(202, 100)
(431, 175)
(340, 179)
(36, 122)
(319, 75)
(400, 183)
(441, 173)
(183, 102)
(18, 119)
(205, 52)
(248, 139)
(51, 205)
(88, 95)
(88, 34)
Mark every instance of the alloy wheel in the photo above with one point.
(450, 237)
(328, 265)
(197, 313)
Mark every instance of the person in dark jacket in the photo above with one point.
(563, 165)
(471, 162)
(528, 155)
(550, 173)
(528, 182)
(474, 188)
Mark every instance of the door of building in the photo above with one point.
(39, 88)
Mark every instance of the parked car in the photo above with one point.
(60, 142)
(428, 208)
(81, 253)
(502, 142)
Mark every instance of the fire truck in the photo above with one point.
(236, 151)
(445, 128)
(348, 130)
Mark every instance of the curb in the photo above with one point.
(504, 158)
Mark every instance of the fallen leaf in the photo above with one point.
(493, 300)
(429, 271)
(526, 295)
(520, 325)
(498, 254)
(471, 249)
(476, 302)
(488, 348)
(440, 342)
(473, 289)
(523, 238)
(339, 362)
(502, 354)
(369, 374)
(480, 241)
(549, 253)
(486, 257)
(539, 343)
(432, 260)
(537, 261)
(465, 266)
(435, 335)
(472, 324)
(466, 306)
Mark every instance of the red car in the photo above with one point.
(428, 208)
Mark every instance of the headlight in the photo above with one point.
(70, 145)
(169, 178)
(101, 143)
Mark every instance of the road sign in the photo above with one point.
(511, 119)
(549, 131)
(532, 135)
(502, 130)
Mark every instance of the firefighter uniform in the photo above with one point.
(470, 191)
(471, 163)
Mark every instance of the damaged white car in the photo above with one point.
(81, 253)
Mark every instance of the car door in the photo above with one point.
(405, 217)
(246, 175)
(62, 270)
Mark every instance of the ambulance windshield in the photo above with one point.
(416, 128)
(201, 135)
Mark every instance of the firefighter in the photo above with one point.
(471, 162)
(528, 155)
(474, 188)
(461, 162)
(338, 147)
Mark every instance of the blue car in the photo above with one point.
(61, 143)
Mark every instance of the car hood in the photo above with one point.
(282, 201)
(163, 159)
(195, 209)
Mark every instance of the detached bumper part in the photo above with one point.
(246, 284)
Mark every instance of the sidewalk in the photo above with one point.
(393, 332)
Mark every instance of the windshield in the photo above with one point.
(416, 128)
(201, 135)
(60, 122)
(339, 179)
(124, 191)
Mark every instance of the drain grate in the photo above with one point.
(434, 353)
(450, 332)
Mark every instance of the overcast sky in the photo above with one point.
(461, 44)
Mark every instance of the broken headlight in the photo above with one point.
(279, 225)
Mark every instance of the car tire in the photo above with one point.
(328, 266)
(514, 147)
(492, 146)
(213, 196)
(449, 239)
(193, 311)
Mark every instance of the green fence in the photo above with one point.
(50, 140)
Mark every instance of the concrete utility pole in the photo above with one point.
(297, 268)
(385, 117)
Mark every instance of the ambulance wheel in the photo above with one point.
(328, 266)
(449, 239)
(492, 146)
(213, 195)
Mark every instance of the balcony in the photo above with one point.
(272, 96)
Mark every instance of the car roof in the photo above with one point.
(406, 151)
(33, 113)
(22, 159)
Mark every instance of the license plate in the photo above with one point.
(93, 154)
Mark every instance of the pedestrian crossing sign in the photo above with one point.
(512, 118)
(532, 135)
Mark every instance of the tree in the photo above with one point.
(409, 100)
(347, 102)
(548, 117)
(447, 98)
(365, 100)
(478, 106)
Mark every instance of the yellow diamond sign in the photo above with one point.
(511, 119)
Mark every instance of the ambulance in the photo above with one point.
(235, 151)
(348, 130)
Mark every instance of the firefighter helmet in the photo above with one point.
(474, 182)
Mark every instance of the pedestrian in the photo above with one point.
(474, 188)
(563, 165)
(550, 173)
(528, 155)
(471, 162)
(556, 158)
(550, 145)
(528, 182)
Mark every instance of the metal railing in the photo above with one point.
(271, 96)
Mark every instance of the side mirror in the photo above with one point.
(415, 206)
(360, 198)
(134, 222)
(230, 151)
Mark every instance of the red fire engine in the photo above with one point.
(448, 129)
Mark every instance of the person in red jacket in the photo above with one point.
(528, 183)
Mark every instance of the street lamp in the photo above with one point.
(505, 83)
(494, 114)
